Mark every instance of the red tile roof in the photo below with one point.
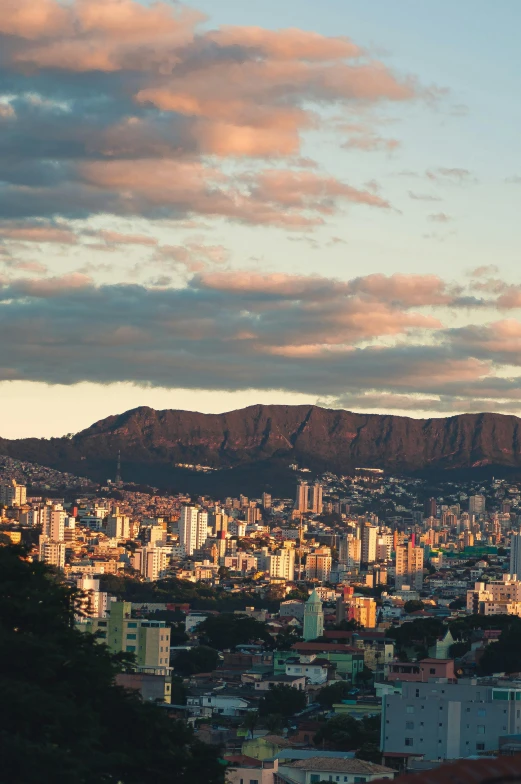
(483, 771)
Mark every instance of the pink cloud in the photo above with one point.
(37, 233)
(408, 290)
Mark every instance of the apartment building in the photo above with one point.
(149, 641)
(442, 720)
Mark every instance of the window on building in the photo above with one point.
(409, 741)
(131, 636)
(132, 625)
(417, 692)
(314, 778)
(409, 725)
(409, 709)
(482, 712)
(432, 671)
(480, 729)
(254, 781)
(131, 648)
(480, 747)
(359, 779)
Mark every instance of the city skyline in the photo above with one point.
(210, 205)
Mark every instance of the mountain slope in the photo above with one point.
(151, 442)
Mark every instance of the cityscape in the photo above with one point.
(260, 384)
(303, 636)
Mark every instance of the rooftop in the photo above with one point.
(341, 765)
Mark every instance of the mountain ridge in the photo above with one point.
(153, 441)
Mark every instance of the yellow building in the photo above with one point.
(149, 641)
(362, 610)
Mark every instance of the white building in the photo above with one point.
(94, 602)
(152, 562)
(13, 494)
(282, 564)
(118, 526)
(52, 553)
(193, 528)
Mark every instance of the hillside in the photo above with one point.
(263, 438)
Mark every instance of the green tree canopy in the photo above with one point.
(344, 733)
(334, 693)
(67, 720)
(199, 659)
(505, 654)
(413, 605)
(283, 700)
(229, 630)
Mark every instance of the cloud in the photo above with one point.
(440, 217)
(233, 329)
(449, 175)
(36, 232)
(423, 196)
(114, 106)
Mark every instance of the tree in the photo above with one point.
(344, 733)
(251, 721)
(283, 700)
(505, 654)
(369, 752)
(334, 693)
(341, 733)
(67, 720)
(199, 659)
(229, 630)
(413, 605)
(364, 677)
(274, 723)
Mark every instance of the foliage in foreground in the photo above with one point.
(66, 720)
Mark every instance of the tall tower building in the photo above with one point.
(193, 528)
(266, 501)
(301, 501)
(477, 505)
(429, 508)
(409, 566)
(369, 539)
(316, 505)
(515, 555)
(313, 618)
(350, 551)
(282, 564)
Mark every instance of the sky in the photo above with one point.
(220, 203)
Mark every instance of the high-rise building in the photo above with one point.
(362, 609)
(52, 553)
(266, 500)
(350, 551)
(13, 494)
(429, 508)
(53, 526)
(118, 526)
(152, 562)
(193, 528)
(93, 601)
(301, 501)
(515, 555)
(477, 505)
(409, 566)
(282, 564)
(318, 564)
(369, 538)
(313, 618)
(316, 504)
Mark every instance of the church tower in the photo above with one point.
(313, 618)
